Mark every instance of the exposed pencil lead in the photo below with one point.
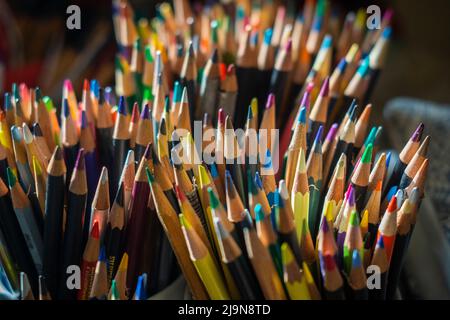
(122, 108)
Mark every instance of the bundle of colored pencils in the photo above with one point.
(120, 189)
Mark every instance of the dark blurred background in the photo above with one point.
(39, 49)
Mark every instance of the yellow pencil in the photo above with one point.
(203, 262)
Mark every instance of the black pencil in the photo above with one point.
(232, 158)
(188, 79)
(70, 143)
(73, 232)
(103, 133)
(279, 80)
(246, 73)
(53, 221)
(239, 268)
(121, 144)
(404, 158)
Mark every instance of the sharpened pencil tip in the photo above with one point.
(84, 121)
(145, 114)
(325, 87)
(213, 201)
(367, 155)
(37, 131)
(302, 115)
(79, 163)
(356, 259)
(221, 116)
(380, 242)
(66, 110)
(11, 177)
(204, 178)
(286, 254)
(329, 261)
(57, 154)
(354, 219)
(259, 214)
(95, 232)
(306, 100)
(122, 106)
(270, 101)
(318, 140)
(150, 176)
(392, 204)
(102, 255)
